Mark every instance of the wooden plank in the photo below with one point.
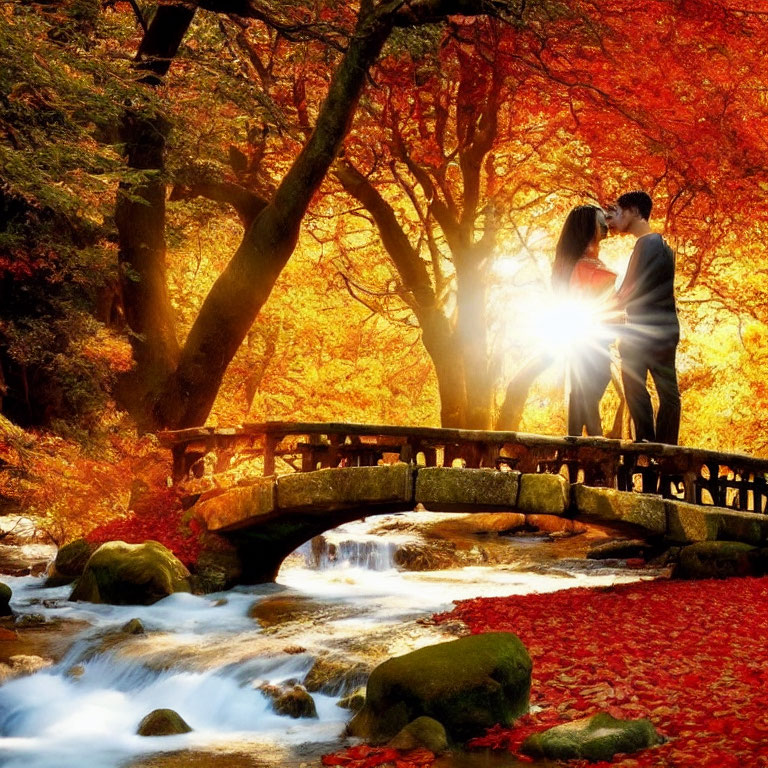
(270, 442)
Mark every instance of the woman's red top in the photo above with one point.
(590, 277)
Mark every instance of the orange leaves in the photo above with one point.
(70, 489)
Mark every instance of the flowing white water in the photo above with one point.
(205, 657)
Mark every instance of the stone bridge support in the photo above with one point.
(270, 518)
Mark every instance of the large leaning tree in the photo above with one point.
(175, 386)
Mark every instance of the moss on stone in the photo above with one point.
(543, 494)
(438, 487)
(645, 510)
(163, 722)
(354, 702)
(691, 522)
(718, 560)
(131, 574)
(595, 738)
(349, 485)
(467, 684)
(70, 562)
(422, 732)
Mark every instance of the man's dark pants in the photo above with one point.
(657, 357)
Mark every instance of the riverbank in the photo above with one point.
(690, 656)
(326, 625)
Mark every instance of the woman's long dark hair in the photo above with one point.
(578, 232)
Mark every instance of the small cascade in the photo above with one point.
(370, 554)
(353, 546)
(203, 657)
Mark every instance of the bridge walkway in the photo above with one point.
(694, 475)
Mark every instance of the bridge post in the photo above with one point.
(407, 452)
(270, 443)
(760, 492)
(690, 491)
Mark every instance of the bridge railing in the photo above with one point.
(695, 475)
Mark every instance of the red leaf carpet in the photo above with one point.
(690, 656)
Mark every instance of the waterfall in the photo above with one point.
(369, 552)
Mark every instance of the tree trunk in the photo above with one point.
(240, 291)
(140, 219)
(472, 337)
(436, 332)
(440, 344)
(517, 393)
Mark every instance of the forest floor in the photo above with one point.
(689, 656)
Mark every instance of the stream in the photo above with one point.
(335, 612)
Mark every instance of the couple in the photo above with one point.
(648, 339)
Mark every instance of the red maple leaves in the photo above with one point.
(689, 656)
(157, 518)
(363, 756)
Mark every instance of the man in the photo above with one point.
(649, 342)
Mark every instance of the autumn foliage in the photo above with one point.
(689, 656)
(363, 756)
(477, 134)
(159, 517)
(119, 491)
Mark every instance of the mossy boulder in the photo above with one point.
(5, 600)
(422, 732)
(70, 562)
(294, 701)
(595, 738)
(131, 574)
(163, 722)
(719, 560)
(468, 685)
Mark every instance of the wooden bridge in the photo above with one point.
(259, 484)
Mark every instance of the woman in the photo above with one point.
(579, 274)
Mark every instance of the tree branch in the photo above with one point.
(405, 258)
(246, 203)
